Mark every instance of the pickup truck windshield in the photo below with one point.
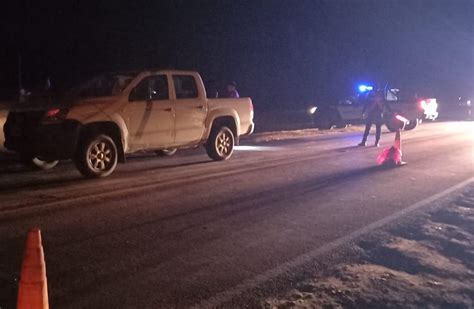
(104, 85)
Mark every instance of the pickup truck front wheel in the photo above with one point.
(96, 156)
(220, 145)
(166, 152)
(391, 126)
(37, 163)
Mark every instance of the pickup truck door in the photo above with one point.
(150, 114)
(409, 110)
(350, 110)
(190, 110)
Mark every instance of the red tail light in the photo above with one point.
(423, 104)
(55, 115)
(52, 112)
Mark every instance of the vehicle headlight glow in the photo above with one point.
(312, 110)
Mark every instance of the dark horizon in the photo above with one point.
(280, 54)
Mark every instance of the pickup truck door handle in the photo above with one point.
(200, 106)
(168, 109)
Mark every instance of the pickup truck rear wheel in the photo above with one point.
(220, 145)
(96, 156)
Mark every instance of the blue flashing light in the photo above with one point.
(365, 88)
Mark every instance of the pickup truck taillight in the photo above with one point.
(429, 108)
(54, 115)
(428, 104)
(423, 104)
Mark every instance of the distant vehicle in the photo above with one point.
(115, 114)
(349, 111)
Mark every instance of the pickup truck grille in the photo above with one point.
(19, 123)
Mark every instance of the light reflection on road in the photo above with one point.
(256, 148)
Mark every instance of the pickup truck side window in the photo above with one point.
(185, 87)
(151, 88)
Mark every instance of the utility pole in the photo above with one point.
(21, 91)
(20, 84)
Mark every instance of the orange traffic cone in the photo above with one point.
(398, 140)
(398, 144)
(392, 156)
(33, 289)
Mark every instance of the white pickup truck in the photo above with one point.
(116, 114)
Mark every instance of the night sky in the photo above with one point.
(280, 53)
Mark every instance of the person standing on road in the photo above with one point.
(232, 90)
(373, 114)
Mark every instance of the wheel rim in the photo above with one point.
(224, 144)
(101, 156)
(169, 151)
(40, 162)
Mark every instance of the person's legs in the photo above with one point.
(378, 131)
(368, 124)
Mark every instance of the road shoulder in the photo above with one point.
(423, 261)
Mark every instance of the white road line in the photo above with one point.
(223, 297)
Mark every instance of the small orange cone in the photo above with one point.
(398, 144)
(33, 289)
(392, 156)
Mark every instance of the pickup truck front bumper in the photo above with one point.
(46, 141)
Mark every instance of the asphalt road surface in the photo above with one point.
(186, 231)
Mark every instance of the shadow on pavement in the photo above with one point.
(65, 174)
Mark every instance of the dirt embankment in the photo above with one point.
(427, 262)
